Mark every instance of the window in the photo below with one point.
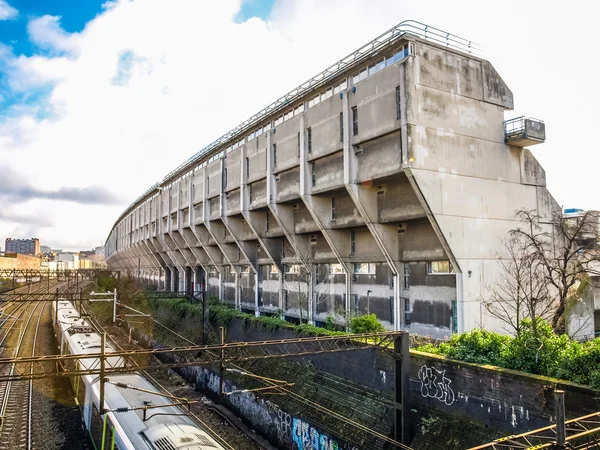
(249, 193)
(454, 317)
(364, 268)
(267, 221)
(314, 174)
(298, 145)
(439, 267)
(309, 138)
(286, 300)
(332, 208)
(406, 276)
(352, 242)
(292, 268)
(354, 120)
(341, 127)
(274, 155)
(335, 268)
(356, 303)
(224, 177)
(406, 311)
(398, 111)
(247, 167)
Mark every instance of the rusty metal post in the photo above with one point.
(102, 370)
(401, 386)
(559, 405)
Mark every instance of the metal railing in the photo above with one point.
(411, 27)
(516, 126)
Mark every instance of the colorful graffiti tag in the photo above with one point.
(308, 438)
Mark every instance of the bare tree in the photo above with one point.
(521, 290)
(309, 289)
(567, 250)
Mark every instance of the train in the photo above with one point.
(125, 424)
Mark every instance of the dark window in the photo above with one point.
(314, 174)
(247, 167)
(309, 133)
(283, 248)
(332, 208)
(267, 221)
(341, 127)
(454, 317)
(249, 193)
(398, 111)
(356, 303)
(224, 178)
(298, 145)
(286, 300)
(274, 155)
(391, 310)
(352, 243)
(406, 311)
(208, 183)
(406, 276)
(354, 121)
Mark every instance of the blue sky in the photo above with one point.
(74, 15)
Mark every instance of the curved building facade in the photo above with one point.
(383, 185)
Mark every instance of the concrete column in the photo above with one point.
(206, 218)
(365, 200)
(318, 208)
(256, 292)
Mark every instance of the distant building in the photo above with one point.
(23, 246)
(67, 261)
(45, 249)
(18, 261)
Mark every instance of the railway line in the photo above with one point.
(20, 325)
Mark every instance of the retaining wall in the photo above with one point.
(453, 404)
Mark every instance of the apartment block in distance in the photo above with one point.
(383, 185)
(23, 246)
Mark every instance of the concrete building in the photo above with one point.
(23, 246)
(383, 185)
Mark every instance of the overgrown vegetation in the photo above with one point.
(367, 323)
(547, 354)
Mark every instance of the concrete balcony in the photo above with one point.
(524, 131)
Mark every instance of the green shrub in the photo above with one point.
(367, 323)
(543, 352)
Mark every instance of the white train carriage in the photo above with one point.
(126, 425)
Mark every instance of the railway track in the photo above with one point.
(16, 397)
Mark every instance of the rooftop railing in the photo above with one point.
(411, 27)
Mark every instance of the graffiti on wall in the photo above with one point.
(434, 384)
(307, 437)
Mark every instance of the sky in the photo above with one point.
(100, 99)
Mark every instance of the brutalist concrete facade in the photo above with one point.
(384, 186)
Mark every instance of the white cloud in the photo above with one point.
(47, 33)
(147, 84)
(7, 12)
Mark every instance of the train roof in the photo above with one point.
(166, 428)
